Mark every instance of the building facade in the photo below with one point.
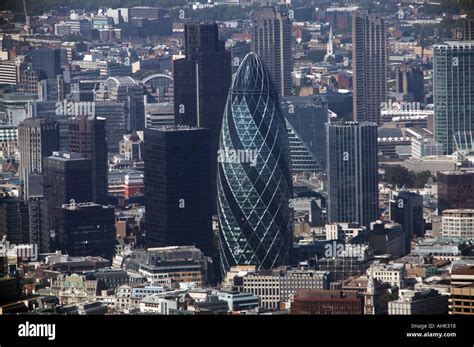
(177, 187)
(254, 173)
(87, 136)
(352, 172)
(452, 93)
(201, 84)
(271, 40)
(458, 223)
(369, 61)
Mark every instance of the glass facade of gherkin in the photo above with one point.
(255, 218)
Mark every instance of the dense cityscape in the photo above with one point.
(237, 157)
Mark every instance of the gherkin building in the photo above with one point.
(254, 173)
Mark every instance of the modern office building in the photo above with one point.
(87, 136)
(115, 114)
(46, 61)
(302, 159)
(410, 83)
(352, 172)
(327, 302)
(177, 187)
(452, 85)
(468, 29)
(460, 301)
(67, 176)
(406, 209)
(254, 173)
(455, 190)
(278, 286)
(369, 62)
(271, 40)
(458, 223)
(14, 220)
(131, 93)
(86, 229)
(201, 83)
(159, 114)
(411, 302)
(37, 139)
(8, 73)
(308, 116)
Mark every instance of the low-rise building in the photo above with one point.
(389, 273)
(458, 223)
(280, 285)
(238, 301)
(327, 302)
(412, 302)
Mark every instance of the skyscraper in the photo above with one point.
(37, 139)
(468, 29)
(14, 223)
(455, 190)
(129, 91)
(271, 40)
(201, 83)
(67, 177)
(352, 172)
(46, 61)
(177, 187)
(86, 229)
(308, 116)
(406, 209)
(453, 86)
(410, 83)
(369, 64)
(87, 136)
(254, 173)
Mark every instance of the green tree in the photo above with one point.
(316, 55)
(398, 175)
(421, 178)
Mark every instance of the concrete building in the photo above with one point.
(369, 61)
(280, 285)
(460, 302)
(389, 273)
(410, 302)
(455, 190)
(458, 223)
(327, 302)
(271, 40)
(239, 301)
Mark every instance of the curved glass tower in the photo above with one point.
(254, 173)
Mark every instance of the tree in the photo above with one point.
(316, 55)
(421, 178)
(398, 175)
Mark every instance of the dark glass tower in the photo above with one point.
(201, 84)
(352, 172)
(177, 187)
(87, 136)
(47, 62)
(255, 217)
(67, 176)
